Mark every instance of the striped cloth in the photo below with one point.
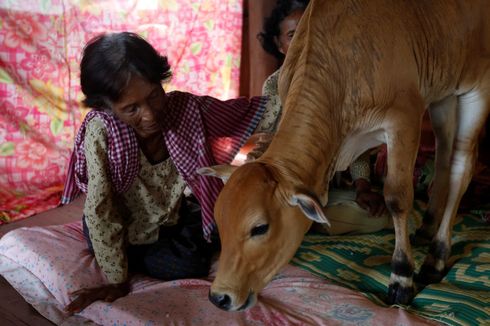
(199, 131)
(202, 131)
(122, 150)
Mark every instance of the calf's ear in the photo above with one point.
(220, 171)
(310, 206)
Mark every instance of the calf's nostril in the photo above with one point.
(222, 301)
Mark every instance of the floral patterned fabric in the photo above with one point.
(40, 47)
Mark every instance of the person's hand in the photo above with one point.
(261, 141)
(371, 201)
(85, 297)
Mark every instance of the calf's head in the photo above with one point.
(261, 220)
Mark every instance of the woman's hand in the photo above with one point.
(85, 297)
(371, 201)
(261, 141)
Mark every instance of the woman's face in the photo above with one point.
(287, 28)
(139, 106)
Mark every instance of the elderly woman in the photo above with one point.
(135, 153)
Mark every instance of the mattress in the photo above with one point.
(45, 263)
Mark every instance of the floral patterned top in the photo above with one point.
(134, 217)
(358, 169)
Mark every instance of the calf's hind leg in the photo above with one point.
(402, 139)
(472, 112)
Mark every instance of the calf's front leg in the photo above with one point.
(402, 139)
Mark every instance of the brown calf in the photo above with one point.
(360, 73)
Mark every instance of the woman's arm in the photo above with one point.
(85, 297)
(268, 123)
(273, 109)
(103, 221)
(359, 169)
(372, 201)
(269, 88)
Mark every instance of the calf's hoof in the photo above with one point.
(420, 238)
(398, 294)
(428, 274)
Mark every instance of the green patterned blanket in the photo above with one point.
(362, 263)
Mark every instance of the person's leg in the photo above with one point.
(347, 217)
(86, 235)
(181, 251)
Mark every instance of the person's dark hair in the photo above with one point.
(110, 60)
(271, 28)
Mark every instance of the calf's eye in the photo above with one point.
(259, 230)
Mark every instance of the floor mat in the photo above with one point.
(362, 263)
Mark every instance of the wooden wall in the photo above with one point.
(256, 64)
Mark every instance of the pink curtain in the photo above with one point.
(40, 49)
